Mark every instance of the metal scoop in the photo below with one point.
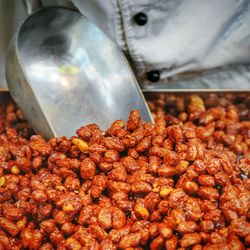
(64, 72)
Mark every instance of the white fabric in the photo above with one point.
(182, 39)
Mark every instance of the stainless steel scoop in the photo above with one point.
(64, 72)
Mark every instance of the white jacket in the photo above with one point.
(190, 43)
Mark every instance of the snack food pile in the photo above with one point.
(182, 183)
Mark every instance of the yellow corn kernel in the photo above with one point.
(81, 145)
(197, 101)
(120, 123)
(68, 207)
(22, 223)
(165, 192)
(141, 212)
(15, 170)
(2, 181)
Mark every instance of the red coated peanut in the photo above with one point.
(180, 183)
(190, 239)
(87, 169)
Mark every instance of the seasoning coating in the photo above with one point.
(181, 183)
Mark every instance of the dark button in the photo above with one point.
(141, 19)
(153, 76)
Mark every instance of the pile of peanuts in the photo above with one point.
(181, 183)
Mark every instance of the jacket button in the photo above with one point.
(153, 76)
(141, 19)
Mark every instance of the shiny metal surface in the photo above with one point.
(32, 5)
(63, 72)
